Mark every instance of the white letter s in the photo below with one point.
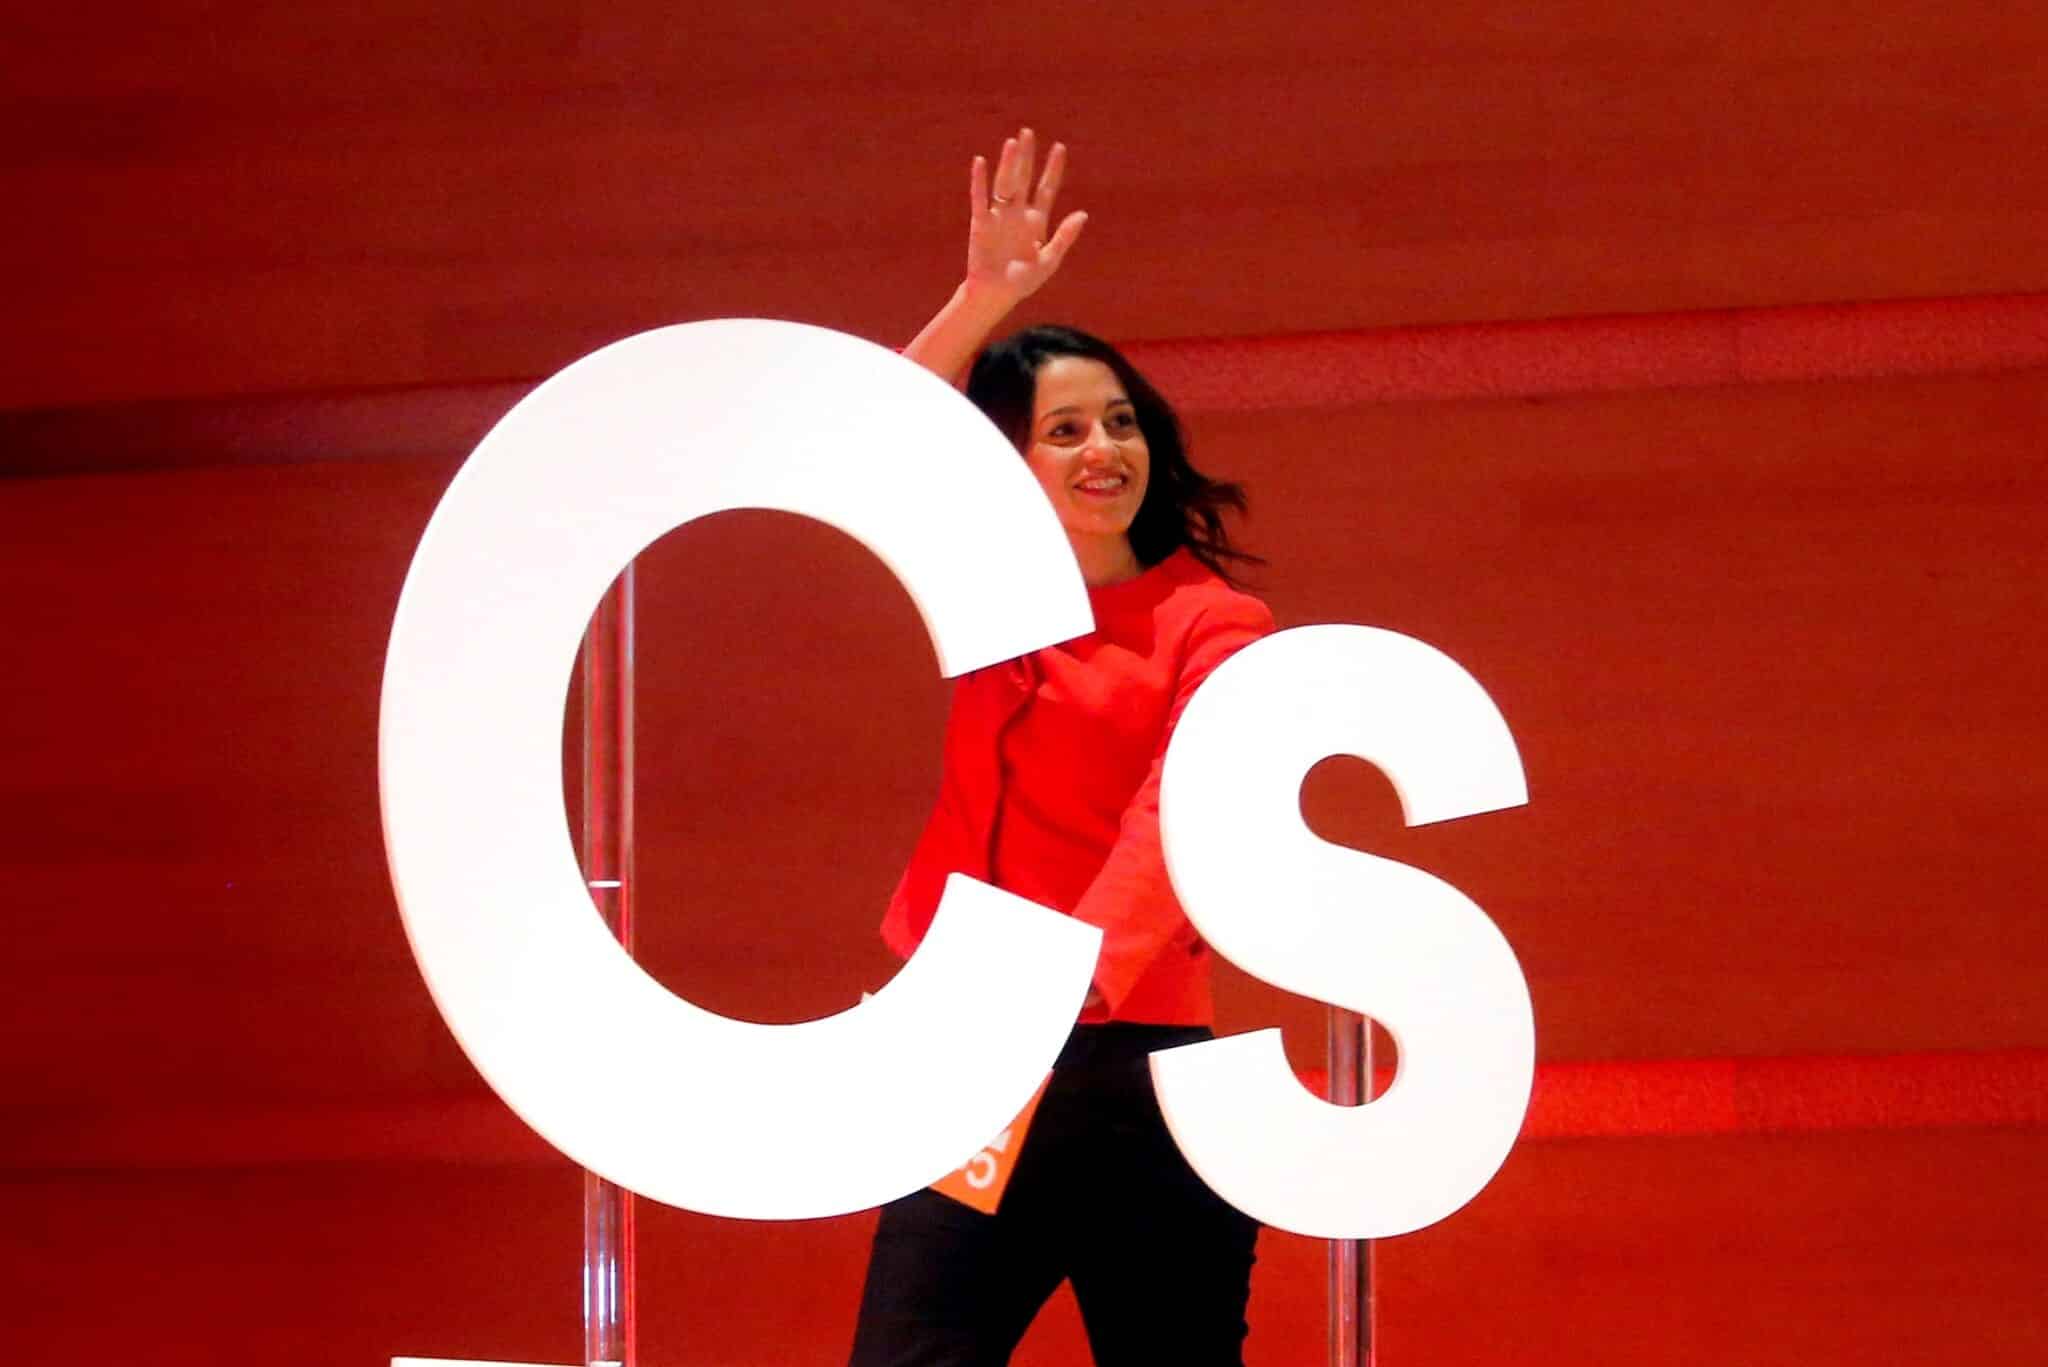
(1345, 927)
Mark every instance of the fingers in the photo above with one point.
(1013, 168)
(1006, 163)
(1027, 153)
(1049, 183)
(977, 188)
(1055, 251)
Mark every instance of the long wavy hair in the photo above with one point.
(1182, 507)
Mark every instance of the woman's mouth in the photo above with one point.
(1102, 486)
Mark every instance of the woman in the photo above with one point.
(1051, 790)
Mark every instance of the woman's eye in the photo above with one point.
(1122, 422)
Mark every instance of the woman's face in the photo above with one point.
(1088, 454)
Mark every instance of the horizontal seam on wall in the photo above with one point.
(1467, 361)
(1572, 1100)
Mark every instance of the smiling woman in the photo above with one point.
(1088, 453)
(1082, 413)
(1050, 790)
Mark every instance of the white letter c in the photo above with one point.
(650, 1091)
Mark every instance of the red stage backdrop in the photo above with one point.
(1678, 371)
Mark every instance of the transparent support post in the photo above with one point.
(1351, 1305)
(608, 1254)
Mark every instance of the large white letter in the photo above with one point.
(656, 1094)
(1345, 927)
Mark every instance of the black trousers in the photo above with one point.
(1161, 1266)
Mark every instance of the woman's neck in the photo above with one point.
(1105, 560)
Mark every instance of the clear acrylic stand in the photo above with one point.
(1351, 1302)
(608, 1243)
(608, 1253)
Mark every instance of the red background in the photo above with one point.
(1677, 369)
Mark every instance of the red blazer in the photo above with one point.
(1050, 786)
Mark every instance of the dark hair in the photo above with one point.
(1181, 507)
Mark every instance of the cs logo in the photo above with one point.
(717, 1115)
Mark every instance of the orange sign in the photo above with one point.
(979, 1182)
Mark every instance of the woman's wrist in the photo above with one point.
(957, 333)
(979, 297)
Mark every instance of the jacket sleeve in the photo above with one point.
(1131, 900)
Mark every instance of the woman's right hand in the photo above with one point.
(1008, 250)
(1008, 253)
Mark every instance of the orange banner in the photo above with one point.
(979, 1182)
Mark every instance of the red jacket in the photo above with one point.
(1050, 787)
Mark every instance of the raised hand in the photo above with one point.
(1008, 246)
(1009, 254)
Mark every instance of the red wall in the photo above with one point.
(1757, 589)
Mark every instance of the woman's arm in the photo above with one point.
(1131, 898)
(1008, 253)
